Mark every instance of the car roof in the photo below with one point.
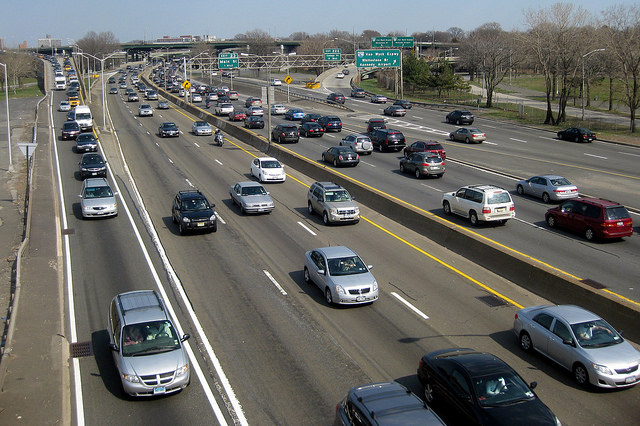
(598, 201)
(336, 251)
(91, 182)
(249, 183)
(571, 313)
(267, 159)
(141, 306)
(474, 362)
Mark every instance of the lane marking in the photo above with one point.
(518, 140)
(307, 229)
(273, 280)
(170, 160)
(596, 156)
(217, 161)
(220, 219)
(157, 144)
(490, 143)
(431, 187)
(628, 153)
(409, 305)
(368, 164)
(196, 144)
(189, 183)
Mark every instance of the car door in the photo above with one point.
(557, 349)
(316, 198)
(458, 202)
(540, 330)
(255, 167)
(537, 186)
(176, 208)
(319, 264)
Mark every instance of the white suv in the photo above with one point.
(480, 203)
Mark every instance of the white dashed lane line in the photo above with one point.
(410, 306)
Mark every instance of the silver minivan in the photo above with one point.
(147, 350)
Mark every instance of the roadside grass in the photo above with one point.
(29, 90)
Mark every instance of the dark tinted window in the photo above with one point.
(617, 212)
(561, 330)
(544, 320)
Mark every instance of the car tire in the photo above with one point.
(440, 175)
(473, 218)
(215, 227)
(545, 198)
(324, 159)
(551, 221)
(446, 207)
(181, 229)
(402, 170)
(589, 234)
(325, 218)
(525, 342)
(520, 189)
(307, 276)
(173, 218)
(428, 393)
(577, 139)
(458, 122)
(467, 141)
(335, 163)
(452, 137)
(242, 210)
(418, 174)
(580, 374)
(327, 296)
(310, 208)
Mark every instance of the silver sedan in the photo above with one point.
(548, 187)
(581, 342)
(468, 135)
(251, 197)
(201, 128)
(341, 274)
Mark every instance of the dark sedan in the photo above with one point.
(337, 98)
(285, 133)
(168, 129)
(254, 122)
(403, 103)
(70, 129)
(341, 156)
(577, 134)
(311, 117)
(480, 388)
(433, 147)
(86, 142)
(92, 165)
(311, 129)
(459, 117)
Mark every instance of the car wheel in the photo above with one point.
(447, 119)
(452, 137)
(402, 170)
(458, 122)
(324, 159)
(325, 218)
(577, 139)
(520, 189)
(418, 174)
(173, 218)
(446, 207)
(589, 234)
(242, 210)
(335, 163)
(525, 342)
(428, 393)
(473, 218)
(310, 208)
(181, 229)
(551, 221)
(580, 374)
(467, 140)
(307, 276)
(546, 198)
(327, 296)
(280, 140)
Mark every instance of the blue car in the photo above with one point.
(294, 114)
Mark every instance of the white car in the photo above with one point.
(480, 203)
(196, 97)
(340, 75)
(278, 109)
(223, 109)
(276, 82)
(268, 169)
(65, 106)
(201, 128)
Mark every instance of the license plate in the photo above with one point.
(501, 209)
(631, 379)
(159, 390)
(200, 224)
(93, 173)
(619, 223)
(360, 299)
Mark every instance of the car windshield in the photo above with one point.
(253, 190)
(503, 389)
(169, 125)
(617, 212)
(98, 192)
(149, 338)
(560, 181)
(342, 195)
(195, 204)
(85, 138)
(595, 334)
(350, 265)
(270, 164)
(498, 198)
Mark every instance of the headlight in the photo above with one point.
(357, 210)
(601, 368)
(213, 217)
(131, 378)
(181, 371)
(186, 219)
(84, 169)
(340, 290)
(375, 285)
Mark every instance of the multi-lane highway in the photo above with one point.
(266, 349)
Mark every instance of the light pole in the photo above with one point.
(6, 98)
(583, 59)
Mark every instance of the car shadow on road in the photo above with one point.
(104, 360)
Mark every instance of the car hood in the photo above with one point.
(354, 281)
(248, 199)
(155, 363)
(200, 214)
(616, 356)
(98, 202)
(532, 412)
(341, 205)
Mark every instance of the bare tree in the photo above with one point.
(623, 26)
(99, 45)
(259, 42)
(19, 66)
(456, 34)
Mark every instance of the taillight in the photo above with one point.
(340, 157)
(512, 208)
(486, 210)
(516, 316)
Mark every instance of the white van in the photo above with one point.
(82, 114)
(60, 82)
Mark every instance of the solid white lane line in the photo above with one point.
(409, 305)
(431, 187)
(307, 228)
(218, 161)
(596, 156)
(518, 140)
(368, 164)
(220, 219)
(170, 160)
(189, 183)
(273, 280)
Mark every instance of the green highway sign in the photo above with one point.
(228, 60)
(378, 58)
(333, 54)
(403, 42)
(381, 41)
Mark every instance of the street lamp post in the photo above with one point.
(6, 98)
(583, 59)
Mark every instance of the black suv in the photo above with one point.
(285, 133)
(192, 211)
(375, 123)
(336, 98)
(384, 403)
(459, 117)
(330, 123)
(387, 140)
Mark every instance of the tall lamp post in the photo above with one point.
(583, 59)
(6, 98)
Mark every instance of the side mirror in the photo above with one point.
(569, 342)
(322, 271)
(114, 347)
(533, 385)
(186, 336)
(79, 195)
(370, 266)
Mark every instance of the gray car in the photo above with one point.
(251, 197)
(97, 199)
(423, 164)
(201, 128)
(581, 342)
(333, 203)
(147, 349)
(341, 274)
(359, 143)
(145, 110)
(548, 187)
(163, 104)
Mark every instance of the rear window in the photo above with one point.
(434, 146)
(395, 135)
(498, 198)
(615, 213)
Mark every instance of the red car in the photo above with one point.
(425, 146)
(591, 217)
(237, 116)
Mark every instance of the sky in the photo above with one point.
(145, 20)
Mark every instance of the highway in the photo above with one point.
(282, 356)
